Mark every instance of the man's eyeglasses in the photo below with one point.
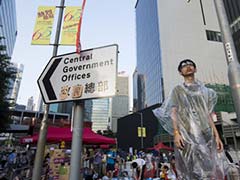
(186, 63)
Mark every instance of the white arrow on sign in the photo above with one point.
(90, 74)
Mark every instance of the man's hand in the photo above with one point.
(219, 144)
(178, 140)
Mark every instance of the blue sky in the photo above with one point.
(104, 22)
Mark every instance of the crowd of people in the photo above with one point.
(112, 164)
(16, 163)
(97, 164)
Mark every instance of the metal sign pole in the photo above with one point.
(76, 140)
(231, 55)
(38, 162)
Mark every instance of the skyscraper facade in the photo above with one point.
(104, 112)
(39, 103)
(8, 25)
(233, 13)
(168, 32)
(30, 104)
(120, 102)
(98, 111)
(135, 99)
(148, 54)
(16, 82)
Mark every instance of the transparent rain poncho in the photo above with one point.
(199, 159)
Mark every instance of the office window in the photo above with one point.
(213, 36)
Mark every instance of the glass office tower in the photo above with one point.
(14, 84)
(148, 70)
(98, 111)
(8, 25)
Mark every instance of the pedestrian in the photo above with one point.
(138, 166)
(111, 157)
(116, 171)
(172, 172)
(3, 160)
(97, 162)
(150, 167)
(187, 115)
(107, 176)
(164, 173)
(12, 158)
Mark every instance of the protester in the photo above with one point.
(107, 176)
(187, 114)
(150, 167)
(138, 166)
(164, 173)
(172, 173)
(111, 156)
(97, 162)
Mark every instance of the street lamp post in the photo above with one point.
(231, 56)
(38, 162)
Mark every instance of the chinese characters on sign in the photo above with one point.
(77, 90)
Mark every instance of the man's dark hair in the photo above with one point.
(166, 167)
(173, 158)
(134, 165)
(185, 61)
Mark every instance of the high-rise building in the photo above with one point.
(8, 25)
(98, 111)
(39, 104)
(135, 88)
(233, 13)
(8, 33)
(168, 32)
(15, 83)
(120, 102)
(104, 112)
(30, 104)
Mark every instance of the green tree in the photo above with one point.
(99, 132)
(7, 73)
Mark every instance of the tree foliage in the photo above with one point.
(109, 133)
(99, 132)
(7, 73)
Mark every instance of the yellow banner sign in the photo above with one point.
(70, 25)
(142, 132)
(139, 132)
(43, 26)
